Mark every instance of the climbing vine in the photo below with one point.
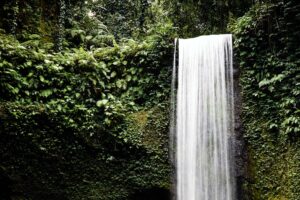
(76, 107)
(84, 91)
(265, 41)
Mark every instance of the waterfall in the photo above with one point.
(204, 119)
(173, 107)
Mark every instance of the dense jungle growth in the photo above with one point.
(267, 49)
(85, 89)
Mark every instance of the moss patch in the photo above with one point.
(266, 51)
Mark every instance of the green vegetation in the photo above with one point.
(268, 55)
(84, 94)
(68, 115)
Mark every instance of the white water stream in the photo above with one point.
(204, 119)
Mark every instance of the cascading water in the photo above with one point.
(204, 119)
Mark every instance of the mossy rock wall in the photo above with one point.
(30, 17)
(267, 50)
(84, 124)
(48, 163)
(93, 124)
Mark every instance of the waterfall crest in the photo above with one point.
(204, 119)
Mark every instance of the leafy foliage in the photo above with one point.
(71, 108)
(128, 15)
(266, 39)
(83, 107)
(194, 18)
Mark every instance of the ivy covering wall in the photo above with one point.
(267, 49)
(83, 110)
(84, 124)
(84, 94)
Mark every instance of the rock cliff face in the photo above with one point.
(135, 167)
(83, 124)
(238, 142)
(57, 145)
(133, 170)
(266, 54)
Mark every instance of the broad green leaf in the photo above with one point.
(46, 93)
(113, 74)
(102, 102)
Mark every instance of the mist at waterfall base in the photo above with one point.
(203, 119)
